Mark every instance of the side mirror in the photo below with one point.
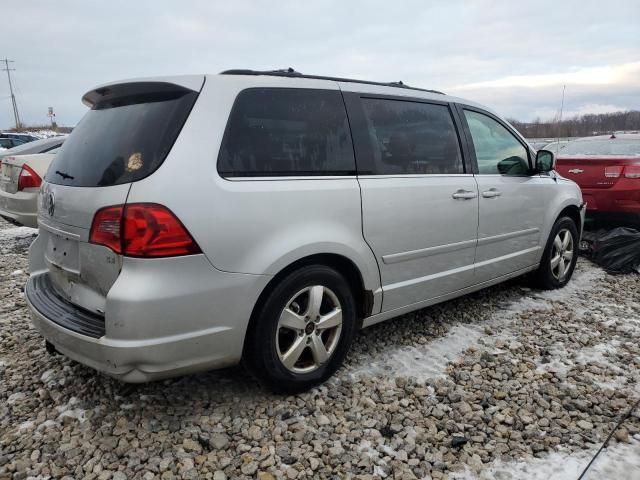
(513, 166)
(545, 161)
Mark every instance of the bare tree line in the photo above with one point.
(580, 126)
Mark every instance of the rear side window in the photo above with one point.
(287, 132)
(122, 140)
(412, 138)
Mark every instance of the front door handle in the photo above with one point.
(464, 194)
(491, 193)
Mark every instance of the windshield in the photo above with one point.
(121, 140)
(603, 147)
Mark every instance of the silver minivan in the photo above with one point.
(190, 223)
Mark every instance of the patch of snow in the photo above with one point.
(70, 412)
(48, 376)
(15, 397)
(619, 461)
(47, 424)
(431, 360)
(367, 449)
(424, 361)
(17, 272)
(24, 426)
(378, 471)
(561, 360)
(15, 233)
(581, 282)
(77, 413)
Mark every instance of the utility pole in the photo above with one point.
(6, 68)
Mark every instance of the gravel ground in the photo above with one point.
(506, 383)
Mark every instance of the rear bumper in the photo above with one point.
(623, 197)
(152, 333)
(20, 207)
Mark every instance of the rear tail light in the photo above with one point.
(105, 228)
(145, 230)
(613, 172)
(28, 178)
(632, 171)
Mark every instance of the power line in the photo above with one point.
(6, 68)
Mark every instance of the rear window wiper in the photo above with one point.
(64, 176)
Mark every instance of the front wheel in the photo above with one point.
(560, 255)
(303, 331)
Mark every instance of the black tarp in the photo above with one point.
(617, 250)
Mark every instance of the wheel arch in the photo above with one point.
(364, 298)
(573, 212)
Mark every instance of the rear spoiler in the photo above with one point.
(127, 88)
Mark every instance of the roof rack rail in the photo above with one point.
(290, 72)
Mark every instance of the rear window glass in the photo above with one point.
(121, 140)
(412, 138)
(287, 132)
(614, 146)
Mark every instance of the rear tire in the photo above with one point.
(303, 330)
(560, 256)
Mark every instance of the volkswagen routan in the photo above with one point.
(191, 223)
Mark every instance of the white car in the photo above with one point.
(44, 145)
(20, 179)
(7, 143)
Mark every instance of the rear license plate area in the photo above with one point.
(62, 252)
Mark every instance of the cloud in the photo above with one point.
(511, 56)
(603, 75)
(598, 89)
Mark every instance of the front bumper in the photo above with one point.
(20, 208)
(161, 326)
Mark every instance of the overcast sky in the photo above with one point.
(511, 56)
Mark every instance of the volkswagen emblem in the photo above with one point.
(48, 202)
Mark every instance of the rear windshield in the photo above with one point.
(602, 147)
(121, 140)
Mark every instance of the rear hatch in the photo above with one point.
(125, 137)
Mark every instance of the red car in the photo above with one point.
(607, 168)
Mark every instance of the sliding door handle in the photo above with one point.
(464, 195)
(491, 193)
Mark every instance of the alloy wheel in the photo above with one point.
(562, 254)
(309, 329)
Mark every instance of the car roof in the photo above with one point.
(397, 88)
(17, 134)
(290, 78)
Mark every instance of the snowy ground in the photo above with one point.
(508, 383)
